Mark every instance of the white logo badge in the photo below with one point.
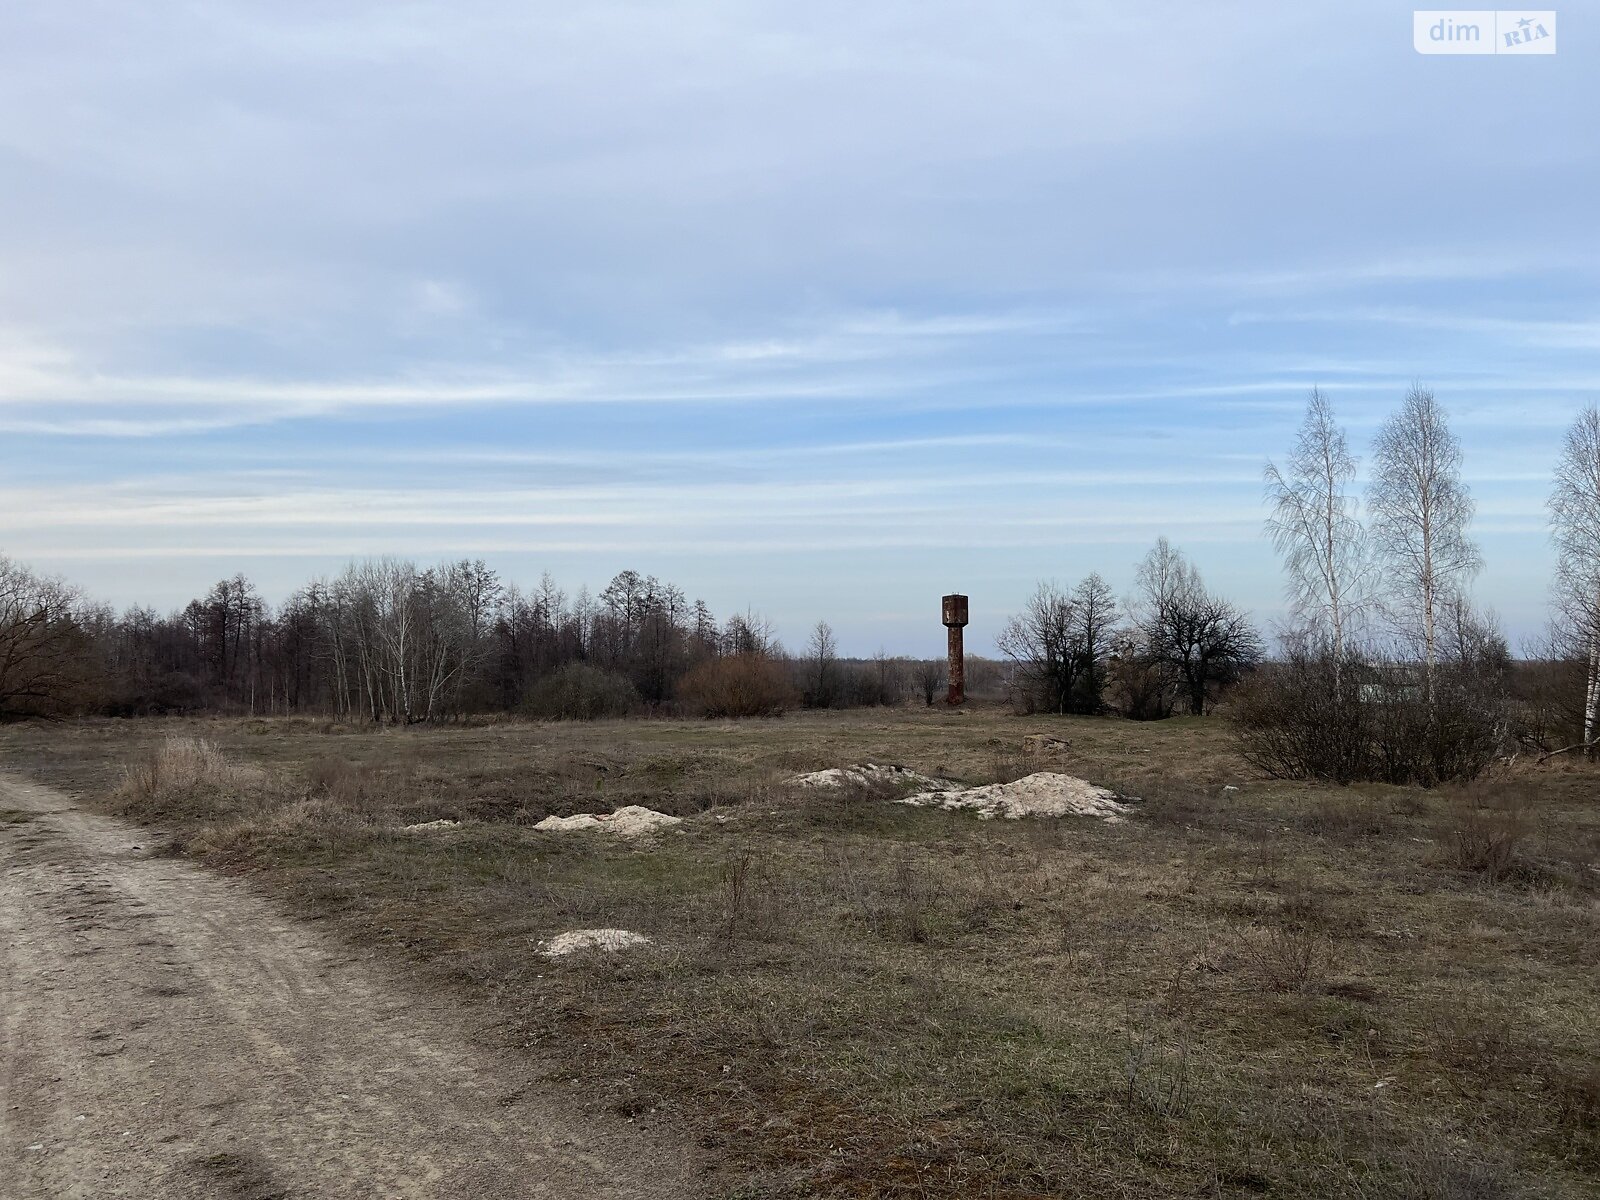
(1483, 31)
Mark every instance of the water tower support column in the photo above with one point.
(955, 619)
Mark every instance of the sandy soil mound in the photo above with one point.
(867, 773)
(1045, 794)
(431, 826)
(576, 940)
(631, 821)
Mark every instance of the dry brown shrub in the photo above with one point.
(1484, 1043)
(1287, 960)
(751, 905)
(1157, 1073)
(737, 685)
(1315, 716)
(1011, 765)
(186, 775)
(580, 692)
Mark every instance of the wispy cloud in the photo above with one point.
(853, 357)
(1565, 334)
(865, 295)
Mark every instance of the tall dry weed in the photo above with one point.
(189, 775)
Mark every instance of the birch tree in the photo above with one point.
(1575, 524)
(1419, 511)
(1316, 528)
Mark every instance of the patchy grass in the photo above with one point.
(1283, 989)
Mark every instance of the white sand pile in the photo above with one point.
(576, 940)
(1045, 794)
(431, 826)
(867, 773)
(632, 821)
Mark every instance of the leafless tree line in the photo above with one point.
(388, 640)
(1174, 644)
(1382, 593)
(826, 680)
(385, 640)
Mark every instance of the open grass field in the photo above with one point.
(1282, 989)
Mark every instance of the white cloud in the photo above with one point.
(918, 273)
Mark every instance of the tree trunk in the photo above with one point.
(1592, 696)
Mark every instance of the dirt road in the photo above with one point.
(167, 1033)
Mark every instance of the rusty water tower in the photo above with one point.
(955, 619)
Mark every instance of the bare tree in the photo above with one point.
(1161, 578)
(1316, 528)
(478, 592)
(751, 634)
(1039, 643)
(1575, 524)
(396, 582)
(1472, 639)
(822, 654)
(1198, 642)
(931, 676)
(453, 604)
(42, 645)
(385, 639)
(1059, 645)
(1096, 614)
(888, 678)
(1419, 511)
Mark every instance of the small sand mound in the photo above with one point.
(1045, 794)
(431, 826)
(867, 774)
(631, 821)
(576, 940)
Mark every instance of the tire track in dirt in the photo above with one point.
(166, 1032)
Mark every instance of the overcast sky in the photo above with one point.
(821, 309)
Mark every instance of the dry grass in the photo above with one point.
(1283, 989)
(189, 777)
(1483, 830)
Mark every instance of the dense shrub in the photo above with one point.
(1317, 717)
(1140, 688)
(164, 694)
(1301, 719)
(738, 685)
(1549, 694)
(579, 692)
